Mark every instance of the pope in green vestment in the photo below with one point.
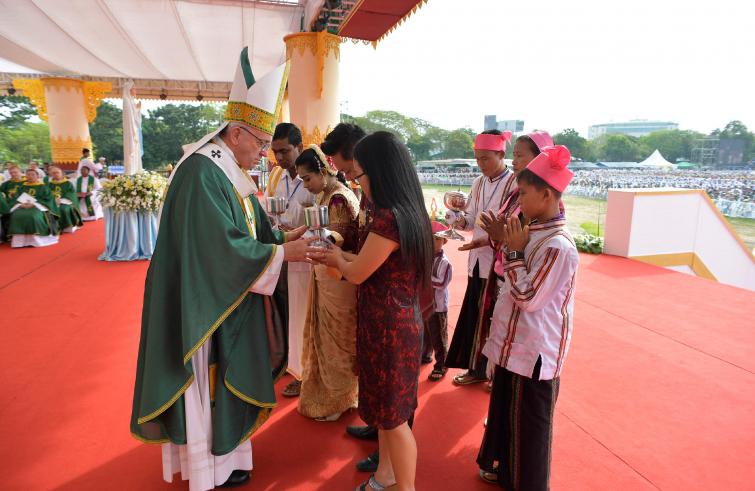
(215, 265)
(66, 199)
(213, 339)
(205, 260)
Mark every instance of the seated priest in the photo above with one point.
(9, 188)
(4, 209)
(15, 180)
(66, 199)
(33, 214)
(87, 185)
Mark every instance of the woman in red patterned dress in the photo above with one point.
(391, 269)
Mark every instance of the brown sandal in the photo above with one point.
(371, 484)
(293, 389)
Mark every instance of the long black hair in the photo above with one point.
(311, 162)
(394, 185)
(342, 140)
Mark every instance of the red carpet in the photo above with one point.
(658, 390)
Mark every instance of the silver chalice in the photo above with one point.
(454, 201)
(317, 218)
(275, 207)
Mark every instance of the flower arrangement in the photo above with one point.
(588, 243)
(140, 192)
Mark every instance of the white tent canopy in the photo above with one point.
(178, 40)
(657, 160)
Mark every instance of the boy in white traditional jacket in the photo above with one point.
(531, 328)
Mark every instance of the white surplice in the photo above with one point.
(195, 460)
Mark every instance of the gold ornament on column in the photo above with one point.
(94, 92)
(34, 90)
(315, 137)
(68, 105)
(320, 44)
(67, 150)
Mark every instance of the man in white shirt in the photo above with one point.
(86, 161)
(284, 182)
(489, 192)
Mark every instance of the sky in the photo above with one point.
(560, 64)
(557, 64)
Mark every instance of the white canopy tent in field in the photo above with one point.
(657, 161)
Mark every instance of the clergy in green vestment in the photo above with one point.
(211, 348)
(66, 199)
(11, 186)
(4, 208)
(33, 214)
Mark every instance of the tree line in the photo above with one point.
(168, 127)
(674, 145)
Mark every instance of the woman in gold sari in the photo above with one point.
(329, 384)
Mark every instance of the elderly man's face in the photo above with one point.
(249, 145)
(15, 173)
(56, 173)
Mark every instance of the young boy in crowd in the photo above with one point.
(436, 327)
(531, 329)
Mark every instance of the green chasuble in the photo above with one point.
(205, 260)
(69, 214)
(4, 208)
(33, 221)
(11, 187)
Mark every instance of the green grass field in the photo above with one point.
(587, 214)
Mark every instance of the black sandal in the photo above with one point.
(489, 477)
(437, 374)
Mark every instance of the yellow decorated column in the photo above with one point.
(313, 83)
(68, 106)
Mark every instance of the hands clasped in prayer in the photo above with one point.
(508, 233)
(501, 231)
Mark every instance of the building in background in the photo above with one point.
(637, 127)
(512, 125)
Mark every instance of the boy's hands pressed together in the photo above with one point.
(515, 236)
(493, 224)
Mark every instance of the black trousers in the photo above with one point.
(517, 440)
(465, 351)
(436, 339)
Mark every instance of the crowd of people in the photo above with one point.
(449, 178)
(732, 191)
(353, 311)
(40, 203)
